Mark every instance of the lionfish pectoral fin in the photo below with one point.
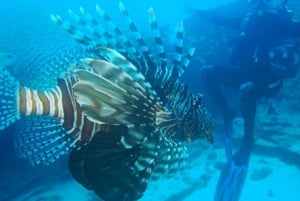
(110, 95)
(108, 168)
(123, 63)
(42, 139)
(171, 158)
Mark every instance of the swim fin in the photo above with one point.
(231, 181)
(233, 175)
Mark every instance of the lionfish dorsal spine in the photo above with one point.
(160, 48)
(122, 40)
(133, 28)
(77, 35)
(178, 45)
(159, 69)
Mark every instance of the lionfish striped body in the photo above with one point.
(160, 71)
(126, 111)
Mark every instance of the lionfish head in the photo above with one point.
(203, 126)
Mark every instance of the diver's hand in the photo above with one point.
(246, 95)
(273, 88)
(245, 87)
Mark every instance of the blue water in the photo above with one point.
(28, 32)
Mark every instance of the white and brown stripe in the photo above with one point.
(33, 102)
(58, 102)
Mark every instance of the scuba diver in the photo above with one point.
(263, 55)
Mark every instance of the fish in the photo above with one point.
(123, 116)
(6, 59)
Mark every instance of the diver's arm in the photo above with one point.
(230, 22)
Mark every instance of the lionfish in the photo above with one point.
(123, 115)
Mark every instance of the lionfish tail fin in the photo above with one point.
(112, 171)
(42, 140)
(8, 100)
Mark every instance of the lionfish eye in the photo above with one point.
(194, 102)
(189, 137)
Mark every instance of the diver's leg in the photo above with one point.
(215, 78)
(233, 175)
(248, 110)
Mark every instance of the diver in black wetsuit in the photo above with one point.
(263, 55)
(267, 35)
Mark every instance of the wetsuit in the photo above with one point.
(265, 53)
(260, 33)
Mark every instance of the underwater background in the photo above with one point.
(28, 33)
